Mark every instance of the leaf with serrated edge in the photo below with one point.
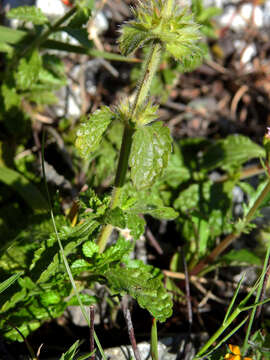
(143, 286)
(89, 248)
(28, 13)
(149, 154)
(28, 71)
(162, 212)
(115, 217)
(90, 132)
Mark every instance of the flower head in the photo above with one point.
(156, 20)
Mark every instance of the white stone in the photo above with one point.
(52, 8)
(240, 20)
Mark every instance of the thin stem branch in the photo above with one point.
(53, 28)
(131, 333)
(91, 337)
(154, 340)
(150, 67)
(187, 286)
(40, 39)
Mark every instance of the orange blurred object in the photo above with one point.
(67, 2)
(235, 354)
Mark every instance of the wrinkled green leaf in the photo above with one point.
(89, 249)
(11, 97)
(28, 71)
(143, 286)
(28, 13)
(164, 212)
(90, 132)
(50, 298)
(136, 225)
(80, 265)
(115, 217)
(25, 329)
(16, 298)
(118, 251)
(231, 152)
(149, 154)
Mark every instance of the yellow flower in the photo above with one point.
(235, 354)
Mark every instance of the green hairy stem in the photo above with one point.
(148, 71)
(150, 67)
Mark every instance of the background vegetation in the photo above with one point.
(156, 185)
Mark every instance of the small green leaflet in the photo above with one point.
(143, 286)
(90, 248)
(132, 38)
(147, 114)
(28, 71)
(28, 13)
(240, 257)
(115, 217)
(161, 213)
(231, 152)
(149, 154)
(10, 96)
(90, 132)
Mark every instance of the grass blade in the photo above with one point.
(7, 283)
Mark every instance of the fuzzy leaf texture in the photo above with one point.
(161, 213)
(172, 27)
(28, 71)
(149, 154)
(101, 263)
(90, 132)
(144, 115)
(28, 13)
(147, 114)
(143, 286)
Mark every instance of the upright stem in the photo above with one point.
(118, 182)
(149, 69)
(55, 26)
